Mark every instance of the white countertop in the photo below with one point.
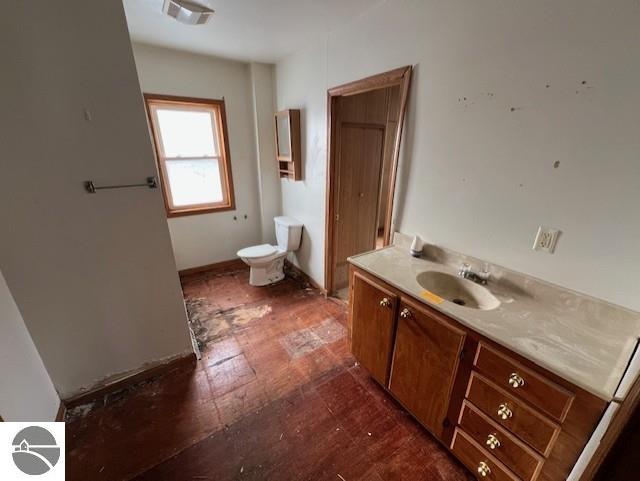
(586, 341)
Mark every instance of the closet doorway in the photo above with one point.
(365, 120)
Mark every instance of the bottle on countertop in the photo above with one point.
(416, 247)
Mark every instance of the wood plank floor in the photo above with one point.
(277, 396)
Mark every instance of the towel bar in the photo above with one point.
(91, 188)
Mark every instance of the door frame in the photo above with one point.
(401, 77)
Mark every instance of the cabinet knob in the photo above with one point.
(492, 441)
(406, 314)
(504, 412)
(385, 302)
(483, 469)
(516, 380)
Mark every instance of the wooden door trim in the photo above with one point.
(374, 82)
(397, 77)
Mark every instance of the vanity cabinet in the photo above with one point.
(425, 363)
(501, 415)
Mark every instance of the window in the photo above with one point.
(192, 149)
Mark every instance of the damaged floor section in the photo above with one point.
(303, 341)
(276, 396)
(209, 323)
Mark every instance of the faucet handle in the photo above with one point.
(484, 274)
(464, 269)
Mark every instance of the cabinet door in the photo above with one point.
(425, 362)
(372, 326)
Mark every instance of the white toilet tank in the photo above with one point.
(288, 233)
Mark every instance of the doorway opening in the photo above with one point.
(365, 120)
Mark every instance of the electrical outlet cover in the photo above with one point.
(546, 239)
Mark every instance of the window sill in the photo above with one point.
(198, 210)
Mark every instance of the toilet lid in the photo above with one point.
(254, 252)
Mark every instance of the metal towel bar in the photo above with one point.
(91, 188)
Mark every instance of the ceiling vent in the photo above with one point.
(187, 12)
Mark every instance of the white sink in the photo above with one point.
(458, 290)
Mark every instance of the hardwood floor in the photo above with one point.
(277, 396)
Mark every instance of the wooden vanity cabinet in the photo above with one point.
(373, 318)
(500, 414)
(425, 362)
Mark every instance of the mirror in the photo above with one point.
(284, 135)
(287, 125)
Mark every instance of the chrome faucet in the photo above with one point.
(467, 272)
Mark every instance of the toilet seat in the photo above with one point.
(258, 252)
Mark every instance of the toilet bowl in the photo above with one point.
(267, 261)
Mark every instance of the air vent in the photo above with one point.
(186, 12)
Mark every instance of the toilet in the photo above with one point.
(267, 261)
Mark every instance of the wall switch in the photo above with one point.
(546, 239)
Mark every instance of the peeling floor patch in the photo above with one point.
(244, 315)
(79, 411)
(209, 323)
(302, 342)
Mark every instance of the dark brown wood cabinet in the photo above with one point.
(425, 361)
(503, 416)
(373, 309)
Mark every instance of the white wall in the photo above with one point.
(93, 275)
(301, 83)
(476, 176)
(263, 101)
(208, 238)
(26, 391)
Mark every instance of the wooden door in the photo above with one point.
(372, 326)
(360, 149)
(425, 362)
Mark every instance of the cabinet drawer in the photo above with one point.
(479, 461)
(516, 455)
(535, 429)
(548, 397)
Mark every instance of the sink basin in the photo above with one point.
(458, 290)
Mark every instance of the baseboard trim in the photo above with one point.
(304, 276)
(99, 392)
(217, 266)
(62, 411)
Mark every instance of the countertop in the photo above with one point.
(584, 340)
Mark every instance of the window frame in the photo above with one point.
(218, 109)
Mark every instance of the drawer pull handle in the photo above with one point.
(493, 442)
(385, 302)
(406, 314)
(516, 380)
(504, 412)
(483, 469)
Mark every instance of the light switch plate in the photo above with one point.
(546, 239)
